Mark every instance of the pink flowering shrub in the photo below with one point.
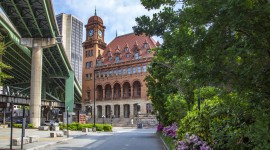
(170, 130)
(192, 142)
(160, 127)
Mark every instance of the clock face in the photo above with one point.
(99, 33)
(91, 32)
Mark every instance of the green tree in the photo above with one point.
(221, 43)
(3, 65)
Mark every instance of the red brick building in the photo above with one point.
(116, 72)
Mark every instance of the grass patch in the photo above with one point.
(168, 140)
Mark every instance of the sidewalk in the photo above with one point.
(44, 139)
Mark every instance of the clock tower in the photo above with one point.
(93, 47)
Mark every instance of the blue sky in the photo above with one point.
(116, 14)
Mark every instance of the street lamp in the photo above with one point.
(11, 121)
(67, 121)
(23, 125)
(103, 117)
(112, 119)
(94, 100)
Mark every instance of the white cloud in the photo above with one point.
(116, 14)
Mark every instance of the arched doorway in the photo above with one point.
(117, 111)
(126, 110)
(108, 111)
(99, 111)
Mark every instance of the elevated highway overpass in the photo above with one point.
(42, 75)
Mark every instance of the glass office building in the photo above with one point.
(71, 29)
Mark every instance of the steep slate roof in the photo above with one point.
(133, 42)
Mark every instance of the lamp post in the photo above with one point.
(23, 126)
(67, 121)
(11, 123)
(112, 119)
(103, 117)
(94, 100)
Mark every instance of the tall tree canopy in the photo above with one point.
(219, 43)
(213, 42)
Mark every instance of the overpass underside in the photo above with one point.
(40, 69)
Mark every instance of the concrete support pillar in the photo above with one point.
(37, 44)
(36, 81)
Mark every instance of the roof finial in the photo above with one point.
(95, 11)
(116, 34)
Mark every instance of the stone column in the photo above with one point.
(37, 45)
(131, 92)
(143, 107)
(121, 110)
(112, 94)
(112, 109)
(103, 94)
(103, 110)
(131, 114)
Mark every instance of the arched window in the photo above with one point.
(116, 91)
(136, 89)
(108, 92)
(126, 90)
(99, 92)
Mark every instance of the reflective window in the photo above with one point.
(133, 70)
(136, 56)
(117, 59)
(119, 71)
(144, 68)
(129, 70)
(124, 71)
(139, 69)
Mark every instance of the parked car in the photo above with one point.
(50, 122)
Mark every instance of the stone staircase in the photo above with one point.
(147, 120)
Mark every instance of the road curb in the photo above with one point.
(52, 143)
(165, 145)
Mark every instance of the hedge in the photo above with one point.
(78, 127)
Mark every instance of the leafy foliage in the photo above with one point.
(78, 127)
(223, 44)
(3, 65)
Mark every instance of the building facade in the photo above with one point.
(114, 74)
(71, 29)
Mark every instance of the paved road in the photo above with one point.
(122, 139)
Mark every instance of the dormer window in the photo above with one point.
(117, 58)
(145, 45)
(136, 56)
(110, 58)
(99, 62)
(126, 49)
(127, 55)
